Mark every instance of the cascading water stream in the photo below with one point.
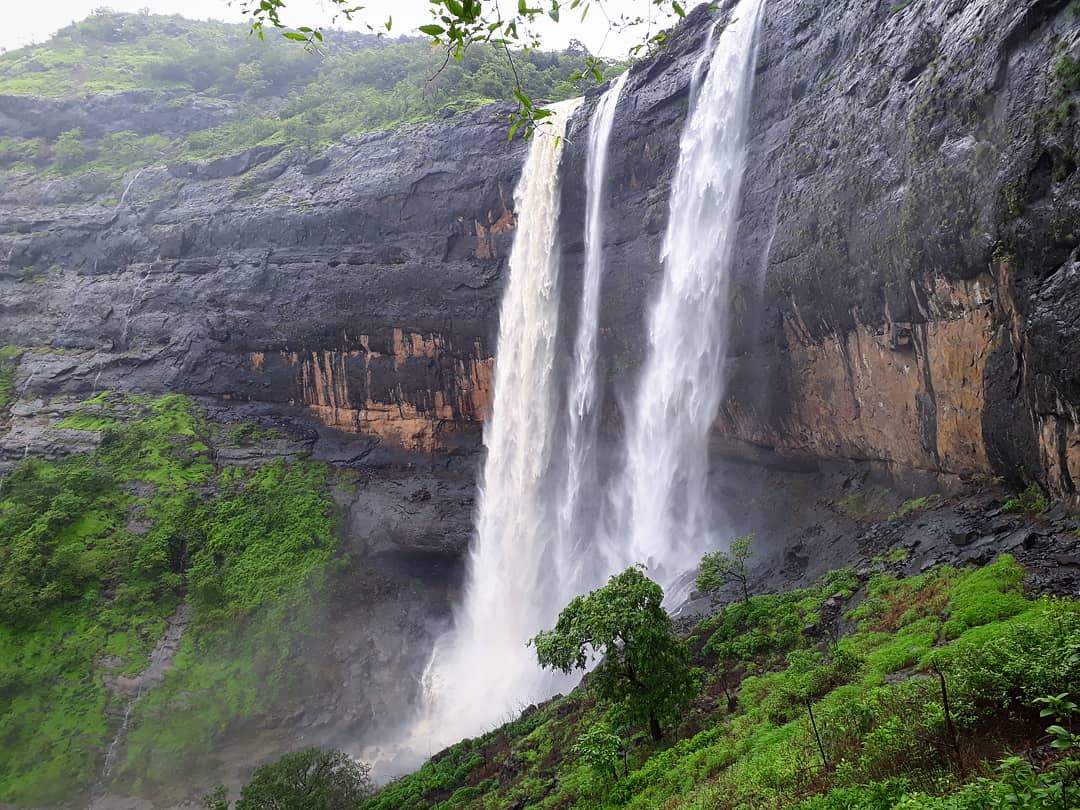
(481, 670)
(528, 555)
(661, 499)
(577, 523)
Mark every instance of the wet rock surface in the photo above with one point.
(905, 268)
(906, 278)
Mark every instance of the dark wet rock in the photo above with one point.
(230, 166)
(906, 287)
(963, 537)
(146, 112)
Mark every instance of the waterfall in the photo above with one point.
(532, 549)
(661, 499)
(576, 523)
(481, 671)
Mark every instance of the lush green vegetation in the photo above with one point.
(1032, 501)
(880, 693)
(282, 94)
(458, 26)
(915, 505)
(9, 358)
(98, 549)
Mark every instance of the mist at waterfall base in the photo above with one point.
(540, 537)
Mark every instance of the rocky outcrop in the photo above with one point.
(906, 283)
(365, 292)
(907, 276)
(925, 210)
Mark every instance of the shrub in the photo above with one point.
(312, 779)
(68, 150)
(1032, 501)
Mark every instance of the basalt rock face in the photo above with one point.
(907, 288)
(906, 285)
(907, 291)
(924, 209)
(362, 287)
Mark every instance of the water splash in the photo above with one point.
(481, 670)
(123, 196)
(576, 522)
(662, 493)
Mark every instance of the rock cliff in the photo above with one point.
(907, 282)
(907, 277)
(907, 293)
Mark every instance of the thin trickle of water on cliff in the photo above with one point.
(481, 671)
(661, 502)
(575, 522)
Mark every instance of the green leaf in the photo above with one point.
(295, 36)
(678, 8)
(554, 12)
(523, 99)
(432, 29)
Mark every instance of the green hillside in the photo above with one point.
(825, 698)
(273, 91)
(99, 549)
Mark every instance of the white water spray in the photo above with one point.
(661, 499)
(576, 523)
(525, 561)
(481, 671)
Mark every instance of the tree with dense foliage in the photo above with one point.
(644, 668)
(312, 779)
(722, 567)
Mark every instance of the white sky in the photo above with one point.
(23, 22)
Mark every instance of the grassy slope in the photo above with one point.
(97, 550)
(282, 94)
(876, 701)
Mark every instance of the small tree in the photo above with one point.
(644, 669)
(599, 748)
(68, 150)
(721, 567)
(312, 779)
